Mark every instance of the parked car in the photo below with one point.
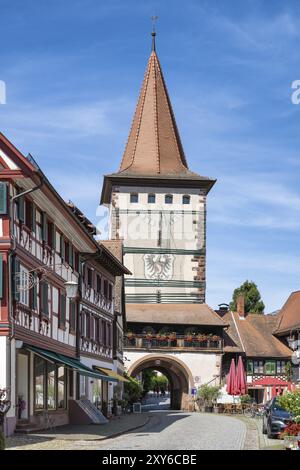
(275, 418)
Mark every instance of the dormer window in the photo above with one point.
(134, 198)
(186, 199)
(151, 198)
(168, 199)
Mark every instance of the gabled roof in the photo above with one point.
(253, 335)
(183, 314)
(289, 315)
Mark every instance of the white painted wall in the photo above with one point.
(203, 367)
(3, 362)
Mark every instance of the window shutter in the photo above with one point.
(72, 315)
(1, 276)
(62, 317)
(92, 327)
(21, 204)
(82, 329)
(16, 278)
(33, 293)
(62, 248)
(33, 219)
(79, 264)
(53, 237)
(44, 227)
(71, 255)
(3, 198)
(45, 305)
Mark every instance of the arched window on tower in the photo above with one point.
(134, 197)
(168, 199)
(186, 199)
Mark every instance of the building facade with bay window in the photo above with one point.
(49, 339)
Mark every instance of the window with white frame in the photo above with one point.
(24, 297)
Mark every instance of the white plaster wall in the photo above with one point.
(3, 362)
(186, 231)
(203, 367)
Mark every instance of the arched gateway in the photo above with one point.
(178, 374)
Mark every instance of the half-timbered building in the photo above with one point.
(52, 343)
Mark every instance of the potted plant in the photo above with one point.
(209, 395)
(189, 336)
(129, 335)
(215, 338)
(148, 335)
(201, 338)
(173, 336)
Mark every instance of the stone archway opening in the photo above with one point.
(178, 375)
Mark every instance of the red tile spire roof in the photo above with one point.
(154, 146)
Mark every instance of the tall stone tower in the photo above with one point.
(157, 205)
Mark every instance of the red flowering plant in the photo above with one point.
(201, 338)
(148, 335)
(292, 429)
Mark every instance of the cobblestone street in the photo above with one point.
(156, 430)
(185, 431)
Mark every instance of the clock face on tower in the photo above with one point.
(158, 266)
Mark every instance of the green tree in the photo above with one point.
(253, 302)
(209, 393)
(147, 378)
(132, 390)
(290, 401)
(159, 382)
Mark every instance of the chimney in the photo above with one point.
(240, 305)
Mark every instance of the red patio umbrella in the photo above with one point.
(274, 392)
(231, 380)
(241, 383)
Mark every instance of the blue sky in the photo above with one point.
(73, 70)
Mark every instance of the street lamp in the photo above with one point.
(71, 289)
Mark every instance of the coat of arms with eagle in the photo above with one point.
(158, 266)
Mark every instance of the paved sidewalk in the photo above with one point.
(64, 437)
(255, 439)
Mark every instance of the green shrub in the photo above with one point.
(290, 401)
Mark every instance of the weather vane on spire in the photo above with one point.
(153, 34)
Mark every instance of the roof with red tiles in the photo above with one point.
(289, 315)
(253, 335)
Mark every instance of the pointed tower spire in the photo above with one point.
(154, 146)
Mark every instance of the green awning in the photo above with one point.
(70, 362)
